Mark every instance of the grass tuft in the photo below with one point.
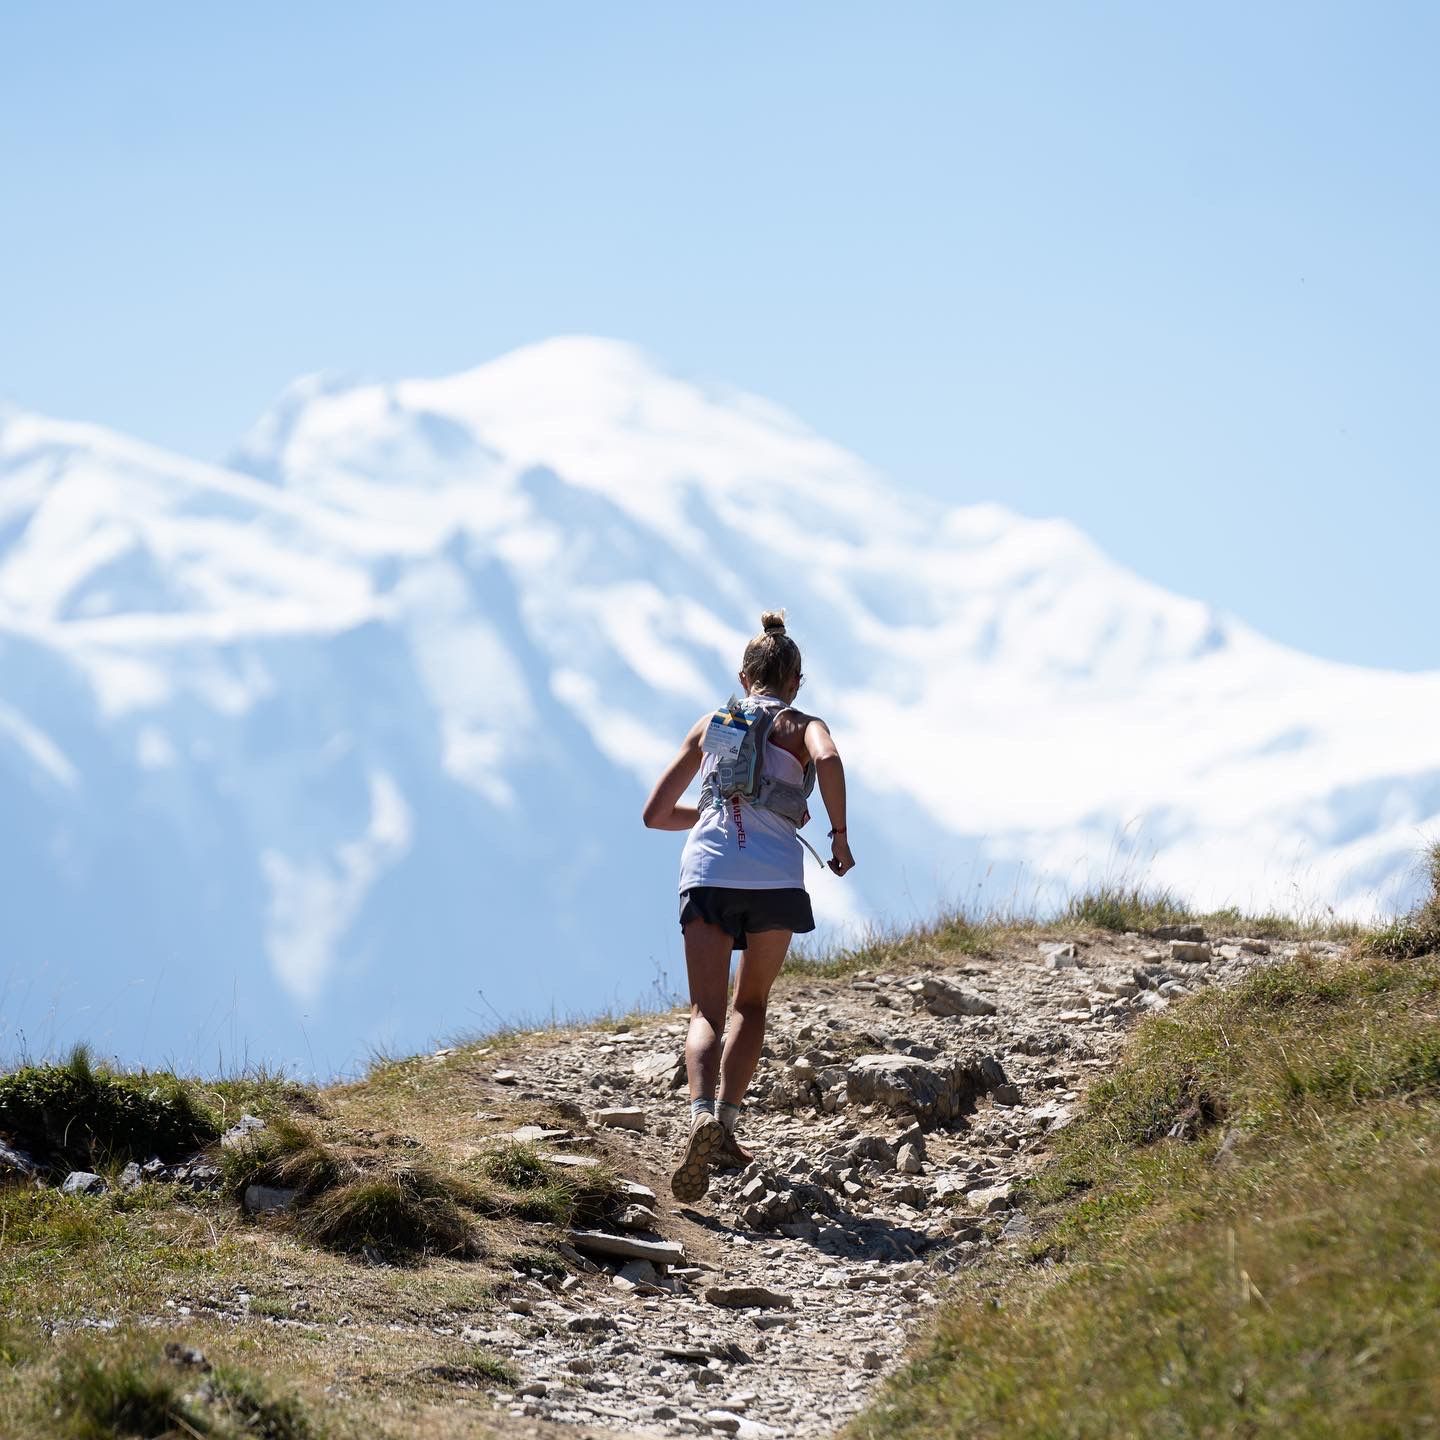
(881, 948)
(1123, 908)
(358, 1203)
(546, 1194)
(398, 1217)
(286, 1155)
(1417, 933)
(135, 1392)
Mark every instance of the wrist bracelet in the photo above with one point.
(838, 830)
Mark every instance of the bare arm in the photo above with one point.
(830, 777)
(663, 810)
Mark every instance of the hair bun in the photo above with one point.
(772, 622)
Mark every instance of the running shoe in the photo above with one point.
(692, 1176)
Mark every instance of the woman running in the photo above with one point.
(742, 878)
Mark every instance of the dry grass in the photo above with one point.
(361, 1346)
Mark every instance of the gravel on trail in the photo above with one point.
(889, 1119)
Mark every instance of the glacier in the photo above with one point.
(340, 747)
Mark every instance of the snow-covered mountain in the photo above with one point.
(343, 747)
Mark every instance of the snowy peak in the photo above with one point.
(386, 695)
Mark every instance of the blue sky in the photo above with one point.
(1166, 270)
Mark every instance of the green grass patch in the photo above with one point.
(542, 1193)
(1240, 1235)
(82, 1115)
(1121, 907)
(137, 1389)
(285, 1155)
(882, 949)
(1417, 933)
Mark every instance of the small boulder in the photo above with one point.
(639, 1272)
(1189, 952)
(1060, 956)
(637, 1217)
(130, 1178)
(16, 1162)
(935, 1094)
(908, 1161)
(945, 1000)
(990, 1199)
(241, 1131)
(83, 1182)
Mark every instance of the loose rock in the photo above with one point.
(1189, 951)
(627, 1118)
(266, 1199)
(746, 1297)
(942, 998)
(241, 1131)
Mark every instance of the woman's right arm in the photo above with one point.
(663, 810)
(830, 777)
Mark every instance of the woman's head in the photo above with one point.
(772, 659)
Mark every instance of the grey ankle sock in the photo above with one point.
(699, 1108)
(729, 1114)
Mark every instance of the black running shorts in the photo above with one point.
(738, 912)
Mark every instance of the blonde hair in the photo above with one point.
(772, 658)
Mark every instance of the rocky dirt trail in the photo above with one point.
(890, 1119)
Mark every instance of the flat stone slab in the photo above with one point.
(748, 1297)
(538, 1134)
(627, 1247)
(83, 1182)
(627, 1117)
(943, 999)
(574, 1162)
(659, 1067)
(266, 1199)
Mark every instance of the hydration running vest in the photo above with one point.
(736, 736)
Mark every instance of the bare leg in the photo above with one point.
(707, 962)
(759, 965)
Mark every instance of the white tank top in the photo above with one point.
(741, 847)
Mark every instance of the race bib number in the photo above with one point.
(724, 734)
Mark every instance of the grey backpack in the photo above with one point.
(737, 736)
